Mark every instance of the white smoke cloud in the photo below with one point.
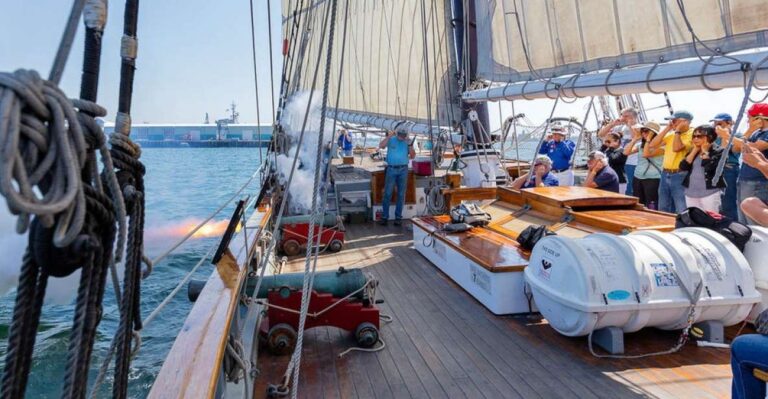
(61, 291)
(303, 178)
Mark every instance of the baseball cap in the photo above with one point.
(758, 110)
(681, 115)
(722, 117)
(402, 133)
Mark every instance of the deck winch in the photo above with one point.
(343, 298)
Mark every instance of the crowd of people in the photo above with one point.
(670, 169)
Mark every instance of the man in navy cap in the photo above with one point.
(723, 124)
(559, 150)
(676, 140)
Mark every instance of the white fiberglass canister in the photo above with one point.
(756, 252)
(640, 280)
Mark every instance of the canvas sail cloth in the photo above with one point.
(567, 37)
(383, 80)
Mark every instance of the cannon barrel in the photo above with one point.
(339, 283)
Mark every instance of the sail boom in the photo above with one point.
(684, 75)
(384, 122)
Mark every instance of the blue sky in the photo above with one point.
(194, 55)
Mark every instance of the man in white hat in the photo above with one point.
(560, 150)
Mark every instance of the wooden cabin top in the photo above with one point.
(491, 250)
(577, 197)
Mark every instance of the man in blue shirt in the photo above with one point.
(559, 150)
(399, 150)
(345, 143)
(729, 206)
(541, 176)
(752, 182)
(601, 175)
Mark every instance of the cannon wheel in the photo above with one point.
(366, 335)
(335, 246)
(281, 339)
(291, 247)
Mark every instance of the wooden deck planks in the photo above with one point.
(443, 343)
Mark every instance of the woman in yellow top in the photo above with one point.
(676, 139)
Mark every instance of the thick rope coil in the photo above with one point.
(42, 147)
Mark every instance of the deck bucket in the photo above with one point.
(644, 279)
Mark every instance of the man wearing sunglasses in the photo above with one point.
(676, 140)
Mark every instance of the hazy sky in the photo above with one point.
(195, 57)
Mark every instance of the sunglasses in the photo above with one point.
(699, 136)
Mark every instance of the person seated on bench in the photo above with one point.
(601, 175)
(542, 176)
(749, 357)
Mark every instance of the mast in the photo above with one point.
(467, 42)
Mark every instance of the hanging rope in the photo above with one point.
(309, 273)
(256, 78)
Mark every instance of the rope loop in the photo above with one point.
(608, 79)
(648, 76)
(703, 80)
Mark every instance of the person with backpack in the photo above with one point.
(645, 184)
(700, 166)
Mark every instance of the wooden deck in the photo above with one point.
(444, 344)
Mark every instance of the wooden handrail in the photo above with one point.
(192, 367)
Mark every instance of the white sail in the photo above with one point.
(564, 37)
(383, 72)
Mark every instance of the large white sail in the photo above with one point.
(383, 71)
(520, 40)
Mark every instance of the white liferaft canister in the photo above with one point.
(640, 280)
(756, 252)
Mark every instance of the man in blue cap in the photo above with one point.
(729, 206)
(676, 140)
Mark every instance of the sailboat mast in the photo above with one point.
(466, 56)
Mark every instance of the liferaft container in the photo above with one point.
(756, 252)
(644, 279)
(422, 166)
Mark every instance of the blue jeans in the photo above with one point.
(629, 171)
(394, 176)
(729, 205)
(672, 192)
(751, 188)
(748, 352)
(346, 153)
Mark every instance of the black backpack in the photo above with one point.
(737, 233)
(531, 235)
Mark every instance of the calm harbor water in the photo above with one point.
(184, 185)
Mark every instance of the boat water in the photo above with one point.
(310, 297)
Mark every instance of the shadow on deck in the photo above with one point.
(443, 343)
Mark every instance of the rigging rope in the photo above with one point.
(256, 79)
(310, 273)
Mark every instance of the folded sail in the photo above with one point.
(564, 37)
(383, 65)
